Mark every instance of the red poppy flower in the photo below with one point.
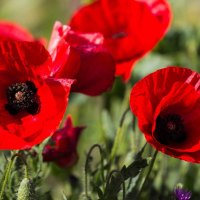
(31, 107)
(81, 57)
(62, 151)
(167, 104)
(131, 28)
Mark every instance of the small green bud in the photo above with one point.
(26, 190)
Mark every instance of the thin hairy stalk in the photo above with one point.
(118, 136)
(8, 171)
(87, 164)
(148, 174)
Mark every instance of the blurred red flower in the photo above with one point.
(63, 144)
(167, 105)
(31, 106)
(131, 28)
(81, 57)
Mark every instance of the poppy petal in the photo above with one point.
(19, 58)
(85, 60)
(10, 30)
(13, 31)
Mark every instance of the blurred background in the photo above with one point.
(101, 115)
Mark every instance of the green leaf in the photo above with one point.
(114, 185)
(98, 190)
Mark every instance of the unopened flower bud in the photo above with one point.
(26, 190)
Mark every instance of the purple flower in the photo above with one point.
(182, 194)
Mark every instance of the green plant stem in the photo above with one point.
(148, 174)
(118, 136)
(6, 177)
(25, 164)
(8, 171)
(86, 167)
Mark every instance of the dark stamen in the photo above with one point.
(119, 35)
(22, 97)
(170, 129)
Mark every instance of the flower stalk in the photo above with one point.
(87, 164)
(8, 172)
(119, 135)
(6, 177)
(148, 174)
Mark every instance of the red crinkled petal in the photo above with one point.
(10, 30)
(131, 28)
(54, 103)
(20, 58)
(13, 31)
(125, 68)
(81, 57)
(19, 62)
(96, 71)
(77, 39)
(187, 156)
(169, 90)
(58, 48)
(68, 160)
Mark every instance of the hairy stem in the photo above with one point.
(87, 164)
(6, 176)
(148, 174)
(8, 171)
(118, 136)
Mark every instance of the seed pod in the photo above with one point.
(26, 190)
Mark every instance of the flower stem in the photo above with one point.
(8, 171)
(118, 136)
(26, 174)
(86, 167)
(6, 176)
(148, 174)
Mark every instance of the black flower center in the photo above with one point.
(119, 35)
(170, 129)
(22, 97)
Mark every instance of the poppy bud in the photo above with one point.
(26, 190)
(62, 149)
